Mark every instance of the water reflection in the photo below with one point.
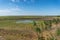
(24, 21)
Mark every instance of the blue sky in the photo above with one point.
(29, 7)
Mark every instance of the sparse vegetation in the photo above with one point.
(34, 23)
(41, 26)
(58, 32)
(48, 24)
(38, 30)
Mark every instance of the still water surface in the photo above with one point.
(24, 21)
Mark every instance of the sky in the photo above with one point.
(29, 7)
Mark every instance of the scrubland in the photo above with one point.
(41, 28)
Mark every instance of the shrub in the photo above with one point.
(34, 23)
(58, 32)
(56, 21)
(41, 38)
(48, 24)
(38, 30)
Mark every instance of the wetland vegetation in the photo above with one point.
(29, 28)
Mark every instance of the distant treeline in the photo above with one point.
(28, 17)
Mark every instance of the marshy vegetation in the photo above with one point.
(30, 28)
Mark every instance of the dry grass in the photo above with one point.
(10, 30)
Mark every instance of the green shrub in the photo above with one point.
(34, 23)
(38, 30)
(48, 24)
(41, 38)
(56, 21)
(51, 38)
(58, 32)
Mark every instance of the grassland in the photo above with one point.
(42, 28)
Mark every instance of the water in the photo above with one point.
(24, 21)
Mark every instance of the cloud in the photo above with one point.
(22, 0)
(11, 11)
(18, 0)
(16, 9)
(15, 0)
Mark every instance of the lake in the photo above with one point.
(24, 21)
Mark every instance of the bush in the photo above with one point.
(48, 24)
(41, 38)
(56, 21)
(34, 23)
(38, 30)
(58, 32)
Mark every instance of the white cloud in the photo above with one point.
(15, 0)
(24, 0)
(11, 11)
(15, 9)
(29, 1)
(3, 11)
